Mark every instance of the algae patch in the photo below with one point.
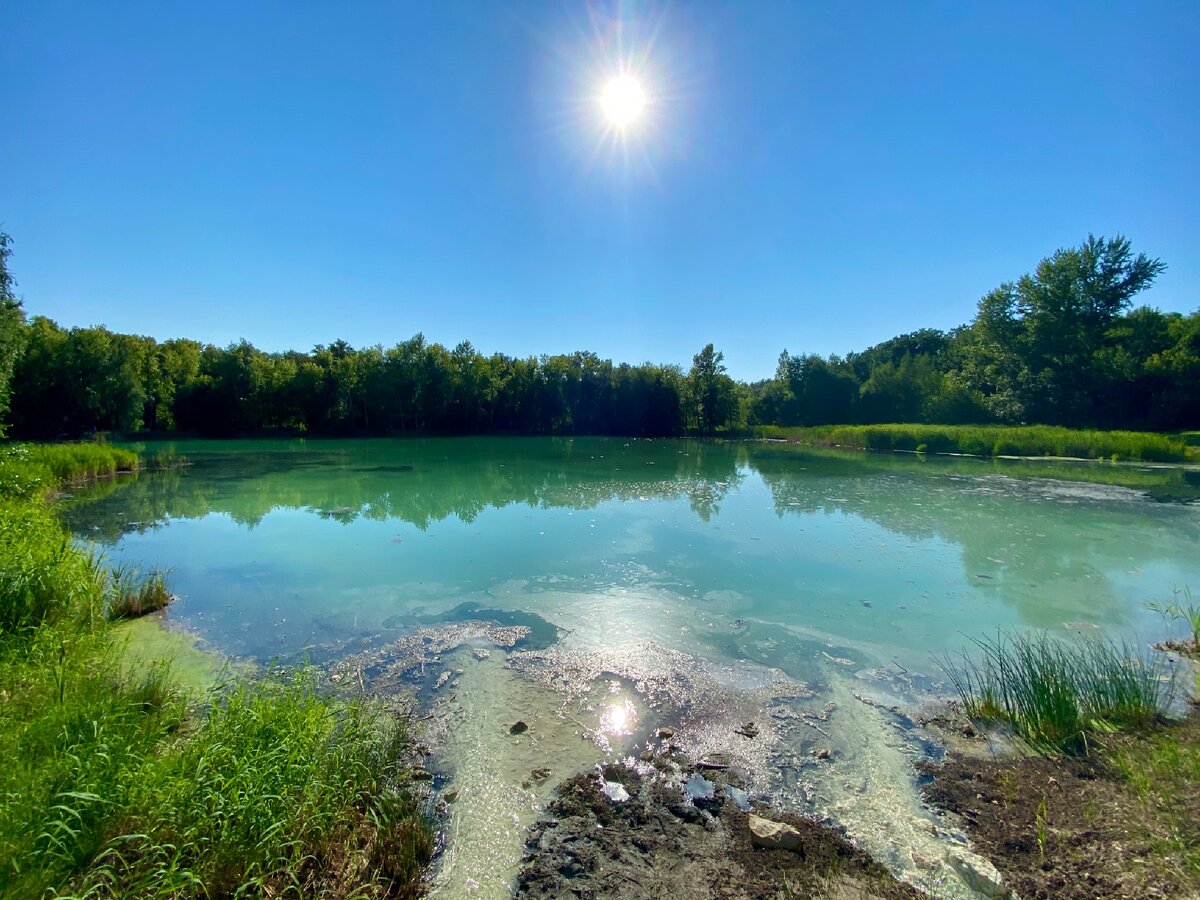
(147, 642)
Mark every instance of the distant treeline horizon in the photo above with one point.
(1060, 346)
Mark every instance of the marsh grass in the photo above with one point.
(114, 786)
(994, 440)
(43, 576)
(132, 593)
(276, 791)
(1056, 694)
(29, 470)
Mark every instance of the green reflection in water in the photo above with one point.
(734, 550)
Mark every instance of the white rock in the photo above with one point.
(615, 791)
(774, 835)
(978, 873)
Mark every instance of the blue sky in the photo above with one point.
(812, 176)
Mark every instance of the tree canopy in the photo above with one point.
(1061, 345)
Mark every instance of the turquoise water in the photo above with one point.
(275, 547)
(596, 589)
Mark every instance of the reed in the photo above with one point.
(132, 594)
(994, 440)
(1056, 694)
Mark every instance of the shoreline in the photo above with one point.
(583, 841)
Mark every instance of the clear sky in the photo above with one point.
(816, 176)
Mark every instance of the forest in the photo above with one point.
(1062, 345)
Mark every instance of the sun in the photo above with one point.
(623, 100)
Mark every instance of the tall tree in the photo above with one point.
(12, 329)
(1035, 342)
(712, 392)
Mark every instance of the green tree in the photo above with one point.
(712, 395)
(1034, 343)
(12, 329)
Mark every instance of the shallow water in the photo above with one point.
(696, 585)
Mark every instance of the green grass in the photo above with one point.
(133, 594)
(43, 576)
(276, 791)
(1163, 773)
(114, 784)
(28, 470)
(1056, 694)
(994, 440)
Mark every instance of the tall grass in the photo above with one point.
(1055, 694)
(27, 470)
(43, 576)
(994, 440)
(132, 593)
(112, 787)
(277, 792)
(73, 738)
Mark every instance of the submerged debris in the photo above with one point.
(748, 730)
(423, 646)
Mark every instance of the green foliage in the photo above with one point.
(275, 791)
(1059, 346)
(1055, 694)
(12, 329)
(993, 440)
(711, 394)
(113, 787)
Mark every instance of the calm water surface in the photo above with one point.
(688, 583)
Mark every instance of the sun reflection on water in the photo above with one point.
(618, 714)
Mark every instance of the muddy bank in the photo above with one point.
(664, 828)
(1083, 828)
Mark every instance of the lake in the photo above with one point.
(598, 589)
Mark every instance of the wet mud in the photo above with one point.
(1070, 828)
(635, 830)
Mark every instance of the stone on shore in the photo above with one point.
(774, 835)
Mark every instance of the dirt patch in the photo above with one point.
(629, 830)
(1123, 822)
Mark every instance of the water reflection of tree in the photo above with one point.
(419, 482)
(969, 504)
(422, 482)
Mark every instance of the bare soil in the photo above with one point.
(1078, 828)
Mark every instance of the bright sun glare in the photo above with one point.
(622, 100)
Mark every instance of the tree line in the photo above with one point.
(1059, 346)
